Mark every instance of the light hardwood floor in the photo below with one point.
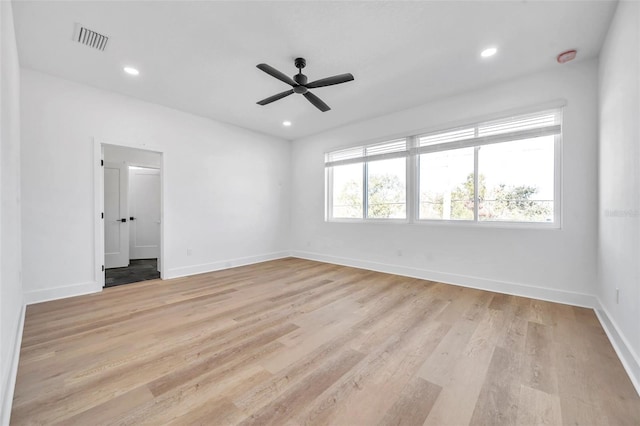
(300, 342)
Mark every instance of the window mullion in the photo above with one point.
(365, 190)
(412, 196)
(557, 176)
(329, 192)
(476, 180)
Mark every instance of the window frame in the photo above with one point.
(365, 199)
(329, 199)
(412, 169)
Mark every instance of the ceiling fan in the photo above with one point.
(300, 85)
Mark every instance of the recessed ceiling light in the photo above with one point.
(286, 123)
(488, 52)
(131, 70)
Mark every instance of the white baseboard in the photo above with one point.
(628, 357)
(11, 381)
(37, 296)
(223, 264)
(541, 293)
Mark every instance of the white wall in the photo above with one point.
(552, 264)
(133, 156)
(226, 189)
(619, 183)
(11, 299)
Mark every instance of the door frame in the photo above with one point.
(98, 185)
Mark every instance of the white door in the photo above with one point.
(116, 223)
(144, 208)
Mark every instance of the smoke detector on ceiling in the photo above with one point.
(90, 38)
(567, 56)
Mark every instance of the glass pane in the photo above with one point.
(387, 189)
(446, 185)
(516, 181)
(347, 191)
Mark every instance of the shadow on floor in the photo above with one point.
(138, 270)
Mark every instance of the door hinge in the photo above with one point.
(102, 268)
(102, 215)
(102, 162)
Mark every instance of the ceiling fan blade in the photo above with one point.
(330, 81)
(275, 97)
(317, 102)
(277, 74)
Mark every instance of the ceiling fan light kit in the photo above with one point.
(300, 86)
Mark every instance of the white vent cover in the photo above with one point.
(90, 38)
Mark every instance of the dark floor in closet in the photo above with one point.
(138, 270)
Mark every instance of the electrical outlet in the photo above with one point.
(617, 296)
(189, 251)
(399, 252)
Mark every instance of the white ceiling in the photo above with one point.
(201, 57)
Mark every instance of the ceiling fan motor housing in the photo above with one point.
(300, 63)
(300, 78)
(300, 89)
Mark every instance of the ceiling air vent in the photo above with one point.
(90, 38)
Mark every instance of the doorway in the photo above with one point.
(131, 214)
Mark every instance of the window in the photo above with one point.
(368, 182)
(387, 189)
(447, 185)
(347, 191)
(515, 181)
(496, 171)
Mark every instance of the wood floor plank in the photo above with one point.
(200, 367)
(298, 342)
(578, 405)
(618, 403)
(113, 408)
(370, 389)
(190, 402)
(536, 407)
(459, 395)
(498, 399)
(92, 385)
(413, 405)
(542, 312)
(306, 342)
(379, 312)
(497, 403)
(222, 410)
(539, 369)
(285, 406)
(441, 364)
